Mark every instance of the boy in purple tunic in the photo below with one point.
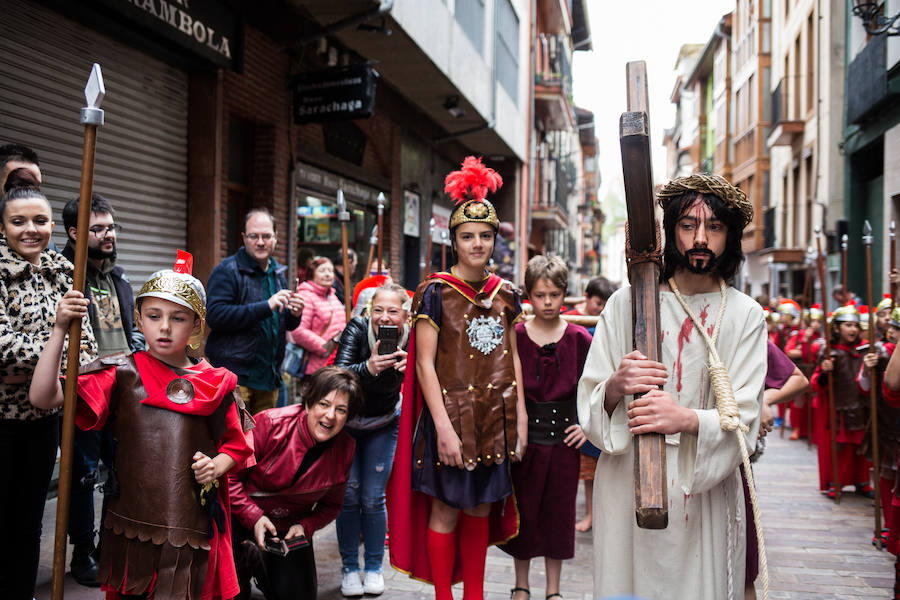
(552, 353)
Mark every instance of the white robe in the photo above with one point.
(701, 554)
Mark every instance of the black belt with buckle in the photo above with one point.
(548, 421)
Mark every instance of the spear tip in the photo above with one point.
(818, 230)
(867, 228)
(94, 89)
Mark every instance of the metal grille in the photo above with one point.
(141, 163)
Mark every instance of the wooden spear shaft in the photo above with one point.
(844, 268)
(873, 389)
(807, 299)
(380, 229)
(651, 494)
(444, 251)
(893, 289)
(373, 240)
(427, 270)
(92, 118)
(832, 417)
(344, 218)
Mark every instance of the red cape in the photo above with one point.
(408, 510)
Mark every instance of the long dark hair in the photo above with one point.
(733, 255)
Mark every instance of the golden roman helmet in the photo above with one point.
(469, 188)
(179, 286)
(845, 314)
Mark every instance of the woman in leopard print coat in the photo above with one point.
(32, 281)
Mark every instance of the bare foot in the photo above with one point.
(584, 524)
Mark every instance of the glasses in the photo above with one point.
(102, 231)
(259, 236)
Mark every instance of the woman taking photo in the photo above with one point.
(463, 419)
(303, 457)
(364, 351)
(32, 282)
(323, 317)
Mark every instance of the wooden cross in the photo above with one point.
(643, 252)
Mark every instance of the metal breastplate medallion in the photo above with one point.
(180, 391)
(485, 333)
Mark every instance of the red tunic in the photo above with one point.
(96, 390)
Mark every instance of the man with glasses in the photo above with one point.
(250, 306)
(111, 312)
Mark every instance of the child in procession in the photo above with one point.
(552, 352)
(178, 431)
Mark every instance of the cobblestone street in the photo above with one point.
(816, 549)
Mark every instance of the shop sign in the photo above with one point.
(322, 181)
(411, 203)
(203, 27)
(316, 211)
(335, 94)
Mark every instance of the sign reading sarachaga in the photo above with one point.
(203, 27)
(335, 94)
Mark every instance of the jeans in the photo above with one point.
(90, 448)
(364, 510)
(28, 449)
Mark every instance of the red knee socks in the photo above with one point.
(473, 543)
(441, 556)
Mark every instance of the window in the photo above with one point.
(470, 16)
(507, 50)
(810, 200)
(797, 78)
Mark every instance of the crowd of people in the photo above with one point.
(441, 420)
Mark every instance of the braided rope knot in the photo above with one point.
(729, 415)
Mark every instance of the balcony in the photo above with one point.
(785, 130)
(553, 83)
(557, 15)
(552, 208)
(867, 76)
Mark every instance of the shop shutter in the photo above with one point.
(141, 163)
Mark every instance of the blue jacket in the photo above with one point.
(235, 306)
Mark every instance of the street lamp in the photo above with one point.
(873, 18)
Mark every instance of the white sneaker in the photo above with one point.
(374, 583)
(351, 584)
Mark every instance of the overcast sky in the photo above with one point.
(648, 30)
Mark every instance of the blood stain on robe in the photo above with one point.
(683, 336)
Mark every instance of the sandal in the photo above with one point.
(512, 592)
(556, 595)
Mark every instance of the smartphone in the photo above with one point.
(387, 335)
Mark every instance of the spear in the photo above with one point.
(844, 267)
(810, 275)
(873, 389)
(373, 239)
(832, 417)
(427, 270)
(344, 218)
(893, 234)
(380, 228)
(444, 238)
(91, 118)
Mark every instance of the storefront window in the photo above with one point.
(319, 232)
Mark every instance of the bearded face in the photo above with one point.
(700, 238)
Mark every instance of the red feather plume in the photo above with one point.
(472, 181)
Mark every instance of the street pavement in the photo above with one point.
(816, 548)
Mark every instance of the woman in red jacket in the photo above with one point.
(303, 458)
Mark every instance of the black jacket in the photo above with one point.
(126, 301)
(235, 306)
(381, 391)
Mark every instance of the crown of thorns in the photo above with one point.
(706, 183)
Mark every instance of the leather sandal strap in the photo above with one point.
(513, 591)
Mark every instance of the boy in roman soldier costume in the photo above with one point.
(851, 407)
(463, 417)
(803, 348)
(888, 413)
(178, 431)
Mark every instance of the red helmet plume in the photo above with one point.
(472, 182)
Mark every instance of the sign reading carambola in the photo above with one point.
(203, 27)
(335, 94)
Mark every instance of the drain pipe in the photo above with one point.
(351, 21)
